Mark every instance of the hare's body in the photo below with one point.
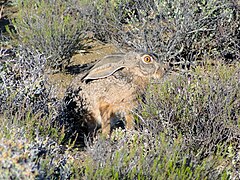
(111, 87)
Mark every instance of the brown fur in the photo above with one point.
(116, 94)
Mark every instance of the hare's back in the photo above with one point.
(109, 90)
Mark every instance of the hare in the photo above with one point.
(111, 86)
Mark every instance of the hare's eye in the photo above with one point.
(147, 59)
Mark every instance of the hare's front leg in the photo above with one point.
(106, 126)
(111, 114)
(106, 111)
(116, 119)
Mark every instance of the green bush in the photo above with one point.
(198, 105)
(202, 106)
(147, 156)
(105, 18)
(55, 28)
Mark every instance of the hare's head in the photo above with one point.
(138, 64)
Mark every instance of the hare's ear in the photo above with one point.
(105, 67)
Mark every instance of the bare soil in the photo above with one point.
(62, 80)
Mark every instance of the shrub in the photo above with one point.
(143, 155)
(53, 27)
(203, 107)
(26, 155)
(23, 84)
(179, 31)
(29, 139)
(198, 106)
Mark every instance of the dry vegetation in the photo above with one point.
(187, 124)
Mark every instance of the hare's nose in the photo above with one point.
(161, 70)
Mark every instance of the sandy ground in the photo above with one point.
(61, 81)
